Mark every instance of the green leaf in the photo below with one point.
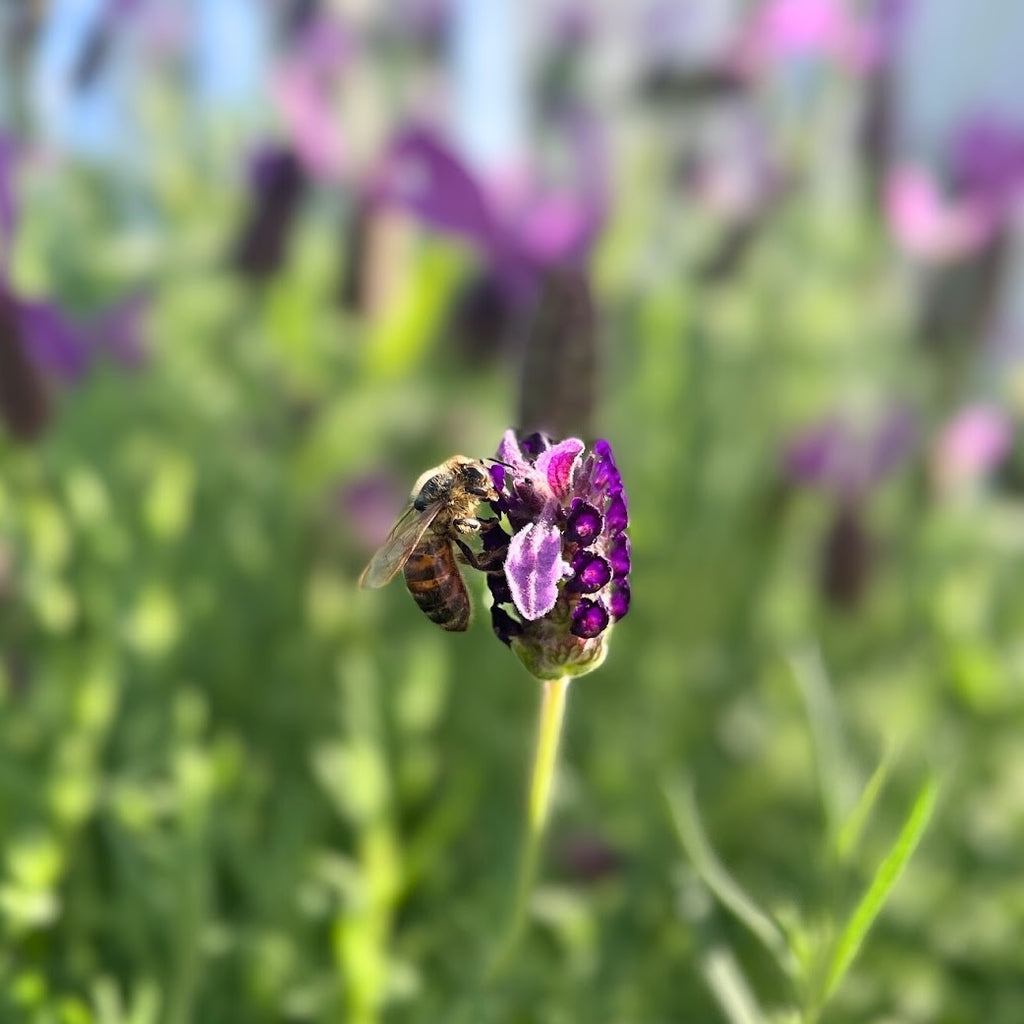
(877, 893)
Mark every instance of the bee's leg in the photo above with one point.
(468, 525)
(485, 561)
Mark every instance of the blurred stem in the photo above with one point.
(549, 732)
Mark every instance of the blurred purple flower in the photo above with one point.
(64, 349)
(986, 166)
(520, 231)
(786, 30)
(59, 348)
(973, 443)
(54, 344)
(987, 160)
(848, 462)
(564, 571)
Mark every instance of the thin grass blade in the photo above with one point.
(871, 903)
(730, 987)
(829, 748)
(853, 827)
(683, 808)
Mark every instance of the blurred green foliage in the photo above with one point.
(235, 788)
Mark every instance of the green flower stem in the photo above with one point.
(549, 732)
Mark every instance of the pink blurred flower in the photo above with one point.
(301, 87)
(783, 30)
(971, 444)
(931, 227)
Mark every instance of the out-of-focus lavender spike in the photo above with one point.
(484, 322)
(277, 186)
(846, 559)
(24, 404)
(560, 364)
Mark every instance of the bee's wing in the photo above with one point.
(395, 551)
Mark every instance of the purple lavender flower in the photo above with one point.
(521, 232)
(837, 457)
(39, 341)
(564, 570)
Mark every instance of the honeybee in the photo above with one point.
(443, 508)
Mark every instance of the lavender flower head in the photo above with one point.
(563, 575)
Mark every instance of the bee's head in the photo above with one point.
(477, 481)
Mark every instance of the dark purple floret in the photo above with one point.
(618, 555)
(505, 627)
(617, 517)
(592, 572)
(534, 444)
(585, 522)
(619, 603)
(589, 619)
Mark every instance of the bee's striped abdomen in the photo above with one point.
(433, 578)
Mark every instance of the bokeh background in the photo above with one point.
(261, 263)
